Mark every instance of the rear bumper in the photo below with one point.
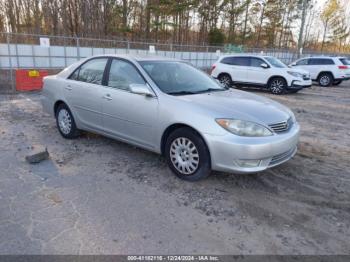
(342, 79)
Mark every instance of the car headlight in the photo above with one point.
(244, 128)
(296, 74)
(293, 119)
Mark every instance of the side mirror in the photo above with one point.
(264, 65)
(141, 89)
(293, 64)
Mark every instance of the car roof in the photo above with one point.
(137, 58)
(134, 58)
(324, 57)
(244, 55)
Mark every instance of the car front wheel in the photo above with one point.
(187, 155)
(65, 122)
(277, 85)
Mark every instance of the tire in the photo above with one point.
(277, 85)
(65, 122)
(225, 80)
(325, 79)
(336, 83)
(187, 155)
(293, 91)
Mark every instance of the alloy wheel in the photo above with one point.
(325, 80)
(277, 86)
(225, 81)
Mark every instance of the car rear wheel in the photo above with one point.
(325, 79)
(65, 122)
(277, 85)
(225, 80)
(187, 155)
(336, 83)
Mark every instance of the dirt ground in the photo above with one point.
(99, 196)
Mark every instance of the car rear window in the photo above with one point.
(345, 61)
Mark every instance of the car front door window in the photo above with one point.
(122, 74)
(256, 62)
(302, 62)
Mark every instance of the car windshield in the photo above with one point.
(179, 78)
(275, 62)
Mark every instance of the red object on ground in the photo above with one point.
(29, 80)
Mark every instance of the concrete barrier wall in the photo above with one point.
(35, 56)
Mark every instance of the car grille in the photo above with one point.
(282, 126)
(282, 157)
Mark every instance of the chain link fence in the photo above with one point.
(23, 51)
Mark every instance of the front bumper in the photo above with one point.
(230, 153)
(300, 84)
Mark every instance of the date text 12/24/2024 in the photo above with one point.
(173, 258)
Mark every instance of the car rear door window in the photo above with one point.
(122, 74)
(241, 61)
(321, 61)
(227, 60)
(91, 72)
(236, 60)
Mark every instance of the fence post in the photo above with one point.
(128, 47)
(17, 57)
(49, 51)
(78, 47)
(65, 52)
(33, 56)
(10, 61)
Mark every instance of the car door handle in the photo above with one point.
(107, 96)
(68, 87)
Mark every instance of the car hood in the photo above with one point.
(241, 105)
(301, 71)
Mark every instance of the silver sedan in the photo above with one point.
(171, 108)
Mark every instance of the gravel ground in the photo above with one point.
(99, 196)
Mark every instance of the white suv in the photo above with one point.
(326, 71)
(259, 71)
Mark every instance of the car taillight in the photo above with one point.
(343, 67)
(212, 68)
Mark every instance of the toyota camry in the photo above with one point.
(169, 107)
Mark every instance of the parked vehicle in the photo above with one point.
(171, 108)
(325, 70)
(259, 71)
